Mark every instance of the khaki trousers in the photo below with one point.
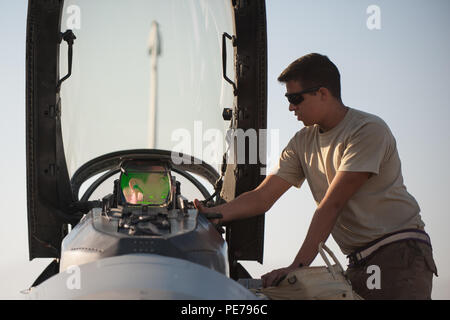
(401, 270)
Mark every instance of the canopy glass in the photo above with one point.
(145, 74)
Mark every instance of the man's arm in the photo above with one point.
(251, 203)
(342, 188)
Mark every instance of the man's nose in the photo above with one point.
(291, 107)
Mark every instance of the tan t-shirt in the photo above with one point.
(360, 142)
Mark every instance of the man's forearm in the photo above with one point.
(246, 205)
(342, 188)
(320, 228)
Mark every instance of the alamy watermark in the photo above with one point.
(73, 281)
(374, 280)
(73, 21)
(373, 21)
(241, 146)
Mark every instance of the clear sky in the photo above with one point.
(399, 72)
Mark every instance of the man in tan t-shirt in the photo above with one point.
(350, 161)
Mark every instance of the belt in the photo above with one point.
(407, 234)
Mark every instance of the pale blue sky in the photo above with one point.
(400, 73)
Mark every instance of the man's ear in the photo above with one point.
(324, 93)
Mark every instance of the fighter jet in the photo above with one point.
(107, 183)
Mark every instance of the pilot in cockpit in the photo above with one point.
(145, 187)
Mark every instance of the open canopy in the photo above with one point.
(140, 75)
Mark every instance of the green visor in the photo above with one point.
(150, 187)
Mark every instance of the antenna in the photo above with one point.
(154, 51)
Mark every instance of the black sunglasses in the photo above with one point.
(297, 98)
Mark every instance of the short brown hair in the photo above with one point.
(314, 70)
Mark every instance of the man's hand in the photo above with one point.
(200, 207)
(274, 277)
